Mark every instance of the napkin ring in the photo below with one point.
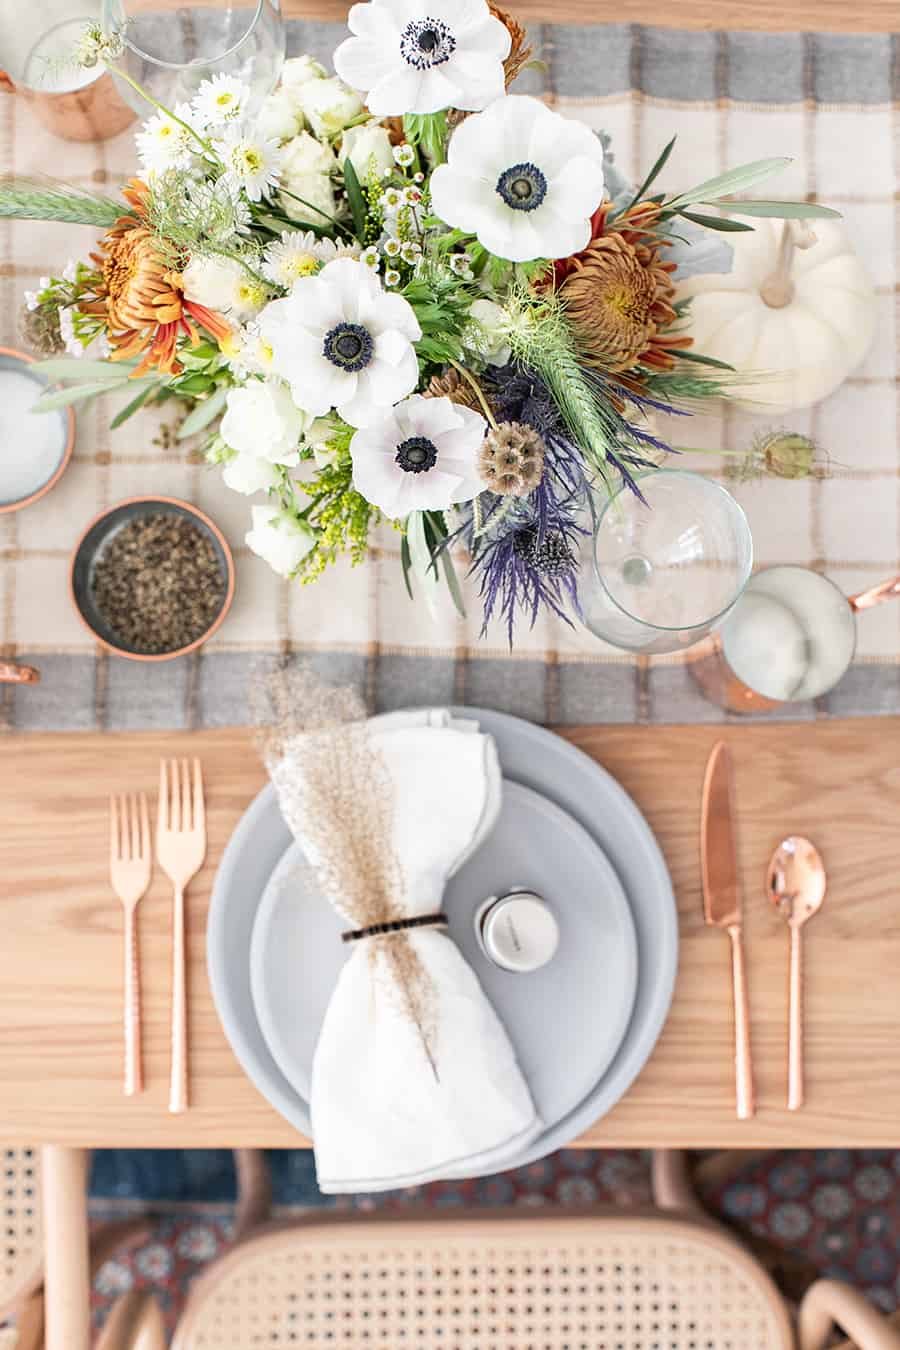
(395, 926)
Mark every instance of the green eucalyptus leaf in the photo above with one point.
(203, 414)
(735, 180)
(76, 393)
(81, 369)
(132, 407)
(723, 223)
(782, 210)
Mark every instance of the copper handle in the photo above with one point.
(885, 590)
(795, 1024)
(743, 1067)
(10, 673)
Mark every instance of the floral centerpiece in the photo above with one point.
(397, 292)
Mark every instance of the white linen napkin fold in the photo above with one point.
(390, 1107)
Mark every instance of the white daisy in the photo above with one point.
(250, 161)
(422, 455)
(162, 143)
(523, 179)
(419, 56)
(298, 253)
(220, 101)
(245, 351)
(342, 342)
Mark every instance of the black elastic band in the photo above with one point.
(395, 926)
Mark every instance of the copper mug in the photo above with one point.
(12, 673)
(92, 110)
(789, 639)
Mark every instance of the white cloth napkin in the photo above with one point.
(384, 1114)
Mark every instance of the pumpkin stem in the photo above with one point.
(777, 290)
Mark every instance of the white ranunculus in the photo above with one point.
(248, 474)
(522, 178)
(421, 455)
(342, 342)
(362, 144)
(419, 56)
(262, 420)
(223, 285)
(306, 168)
(328, 105)
(281, 539)
(279, 118)
(491, 319)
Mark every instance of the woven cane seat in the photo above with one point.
(609, 1282)
(21, 1255)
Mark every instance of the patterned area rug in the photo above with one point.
(805, 1214)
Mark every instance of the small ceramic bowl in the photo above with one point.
(63, 420)
(97, 536)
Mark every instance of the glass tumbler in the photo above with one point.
(661, 573)
(171, 49)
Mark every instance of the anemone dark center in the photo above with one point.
(348, 346)
(426, 42)
(416, 455)
(522, 186)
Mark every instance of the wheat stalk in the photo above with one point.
(30, 199)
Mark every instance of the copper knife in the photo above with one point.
(722, 905)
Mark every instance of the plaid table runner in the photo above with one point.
(829, 101)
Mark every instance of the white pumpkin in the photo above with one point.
(797, 309)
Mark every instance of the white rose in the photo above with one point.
(279, 538)
(328, 105)
(249, 474)
(279, 118)
(262, 420)
(361, 144)
(300, 70)
(223, 285)
(305, 172)
(490, 318)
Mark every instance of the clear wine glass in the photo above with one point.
(170, 50)
(661, 573)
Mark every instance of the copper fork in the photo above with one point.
(129, 873)
(180, 850)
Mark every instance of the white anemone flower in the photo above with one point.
(342, 342)
(422, 455)
(250, 161)
(162, 143)
(523, 179)
(221, 100)
(419, 56)
(298, 253)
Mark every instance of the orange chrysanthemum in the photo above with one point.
(140, 298)
(618, 292)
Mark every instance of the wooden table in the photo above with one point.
(60, 995)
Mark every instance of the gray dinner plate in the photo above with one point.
(535, 758)
(296, 954)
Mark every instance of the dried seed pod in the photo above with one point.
(512, 459)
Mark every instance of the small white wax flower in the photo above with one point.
(162, 143)
(248, 474)
(523, 179)
(391, 199)
(419, 56)
(220, 101)
(298, 253)
(342, 342)
(279, 118)
(410, 252)
(491, 320)
(369, 256)
(392, 277)
(392, 247)
(279, 538)
(225, 286)
(366, 146)
(421, 455)
(328, 105)
(404, 155)
(32, 302)
(306, 183)
(459, 263)
(262, 420)
(251, 162)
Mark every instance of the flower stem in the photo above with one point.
(479, 394)
(138, 89)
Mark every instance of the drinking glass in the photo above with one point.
(663, 572)
(171, 49)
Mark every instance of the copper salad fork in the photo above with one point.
(129, 872)
(180, 851)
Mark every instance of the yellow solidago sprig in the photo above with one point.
(339, 515)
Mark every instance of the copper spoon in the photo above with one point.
(796, 885)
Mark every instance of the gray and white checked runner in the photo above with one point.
(830, 101)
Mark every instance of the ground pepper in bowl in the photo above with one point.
(158, 583)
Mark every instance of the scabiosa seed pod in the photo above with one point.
(550, 555)
(512, 459)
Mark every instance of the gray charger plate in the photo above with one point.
(296, 954)
(535, 758)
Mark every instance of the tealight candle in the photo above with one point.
(517, 931)
(32, 445)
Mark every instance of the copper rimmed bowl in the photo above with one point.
(96, 538)
(63, 419)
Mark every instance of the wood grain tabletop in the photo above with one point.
(60, 986)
